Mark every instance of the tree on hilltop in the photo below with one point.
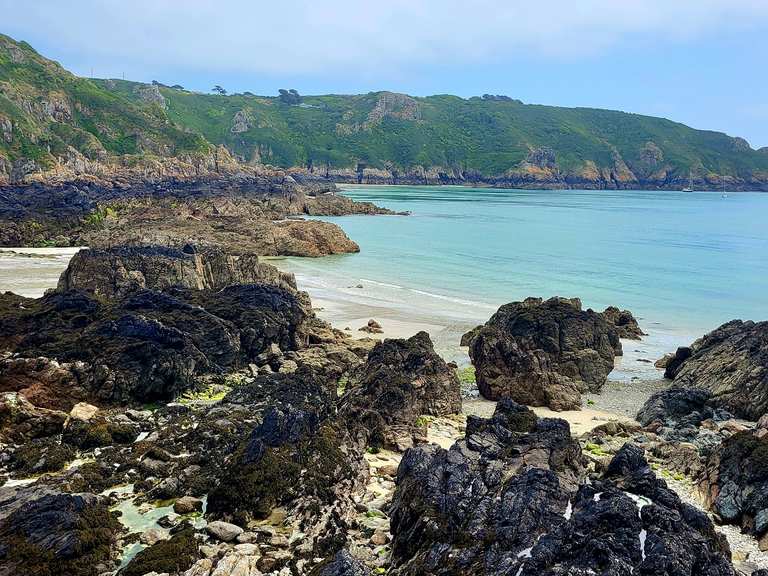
(289, 96)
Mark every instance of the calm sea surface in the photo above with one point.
(683, 262)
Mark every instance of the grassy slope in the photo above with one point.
(488, 136)
(94, 120)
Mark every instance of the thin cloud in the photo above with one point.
(343, 36)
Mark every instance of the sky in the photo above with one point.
(700, 62)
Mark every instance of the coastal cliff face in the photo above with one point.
(56, 127)
(527, 176)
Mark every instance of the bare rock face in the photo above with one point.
(299, 458)
(118, 271)
(44, 382)
(476, 507)
(732, 363)
(543, 353)
(20, 420)
(400, 381)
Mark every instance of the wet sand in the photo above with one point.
(31, 271)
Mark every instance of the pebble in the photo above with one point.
(223, 531)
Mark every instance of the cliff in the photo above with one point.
(56, 127)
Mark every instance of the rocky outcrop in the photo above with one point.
(732, 363)
(510, 499)
(47, 532)
(299, 459)
(624, 322)
(119, 271)
(452, 510)
(685, 427)
(735, 482)
(239, 210)
(400, 381)
(543, 353)
(152, 345)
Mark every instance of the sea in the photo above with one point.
(683, 263)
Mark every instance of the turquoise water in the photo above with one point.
(684, 262)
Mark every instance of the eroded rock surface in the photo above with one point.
(543, 353)
(118, 271)
(150, 345)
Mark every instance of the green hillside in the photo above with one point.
(45, 110)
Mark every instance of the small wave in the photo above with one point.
(452, 299)
(431, 294)
(396, 286)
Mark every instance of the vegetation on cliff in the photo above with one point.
(48, 117)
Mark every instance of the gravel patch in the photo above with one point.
(624, 398)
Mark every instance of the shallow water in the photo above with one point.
(682, 262)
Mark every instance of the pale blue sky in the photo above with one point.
(701, 62)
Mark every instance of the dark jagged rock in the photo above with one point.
(630, 522)
(309, 467)
(475, 507)
(297, 456)
(343, 564)
(505, 501)
(677, 414)
(735, 482)
(688, 424)
(625, 323)
(48, 532)
(400, 381)
(544, 353)
(152, 345)
(732, 363)
(303, 390)
(119, 271)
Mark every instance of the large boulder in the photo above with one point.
(118, 271)
(543, 353)
(732, 363)
(43, 531)
(401, 380)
